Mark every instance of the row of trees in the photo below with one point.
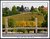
(17, 10)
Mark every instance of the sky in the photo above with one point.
(25, 4)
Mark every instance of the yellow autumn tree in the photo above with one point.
(34, 24)
(21, 23)
(18, 23)
(28, 23)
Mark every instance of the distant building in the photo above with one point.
(26, 9)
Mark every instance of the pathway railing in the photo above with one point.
(34, 28)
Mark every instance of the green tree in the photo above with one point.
(46, 17)
(45, 23)
(41, 10)
(18, 8)
(22, 8)
(11, 22)
(32, 18)
(32, 8)
(6, 11)
(14, 10)
(36, 10)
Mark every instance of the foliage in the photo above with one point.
(18, 8)
(28, 18)
(46, 17)
(33, 19)
(25, 23)
(14, 11)
(45, 24)
(11, 22)
(10, 30)
(6, 11)
(21, 30)
(32, 9)
(42, 10)
(3, 26)
(22, 8)
(3, 22)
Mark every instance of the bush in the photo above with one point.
(21, 30)
(45, 24)
(11, 22)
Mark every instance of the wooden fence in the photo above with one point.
(35, 28)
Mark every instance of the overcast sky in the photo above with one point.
(25, 4)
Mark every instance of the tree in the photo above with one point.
(11, 22)
(36, 10)
(42, 10)
(45, 23)
(46, 17)
(18, 8)
(32, 18)
(32, 8)
(14, 10)
(6, 11)
(42, 6)
(22, 8)
(23, 23)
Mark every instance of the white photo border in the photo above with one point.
(24, 1)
